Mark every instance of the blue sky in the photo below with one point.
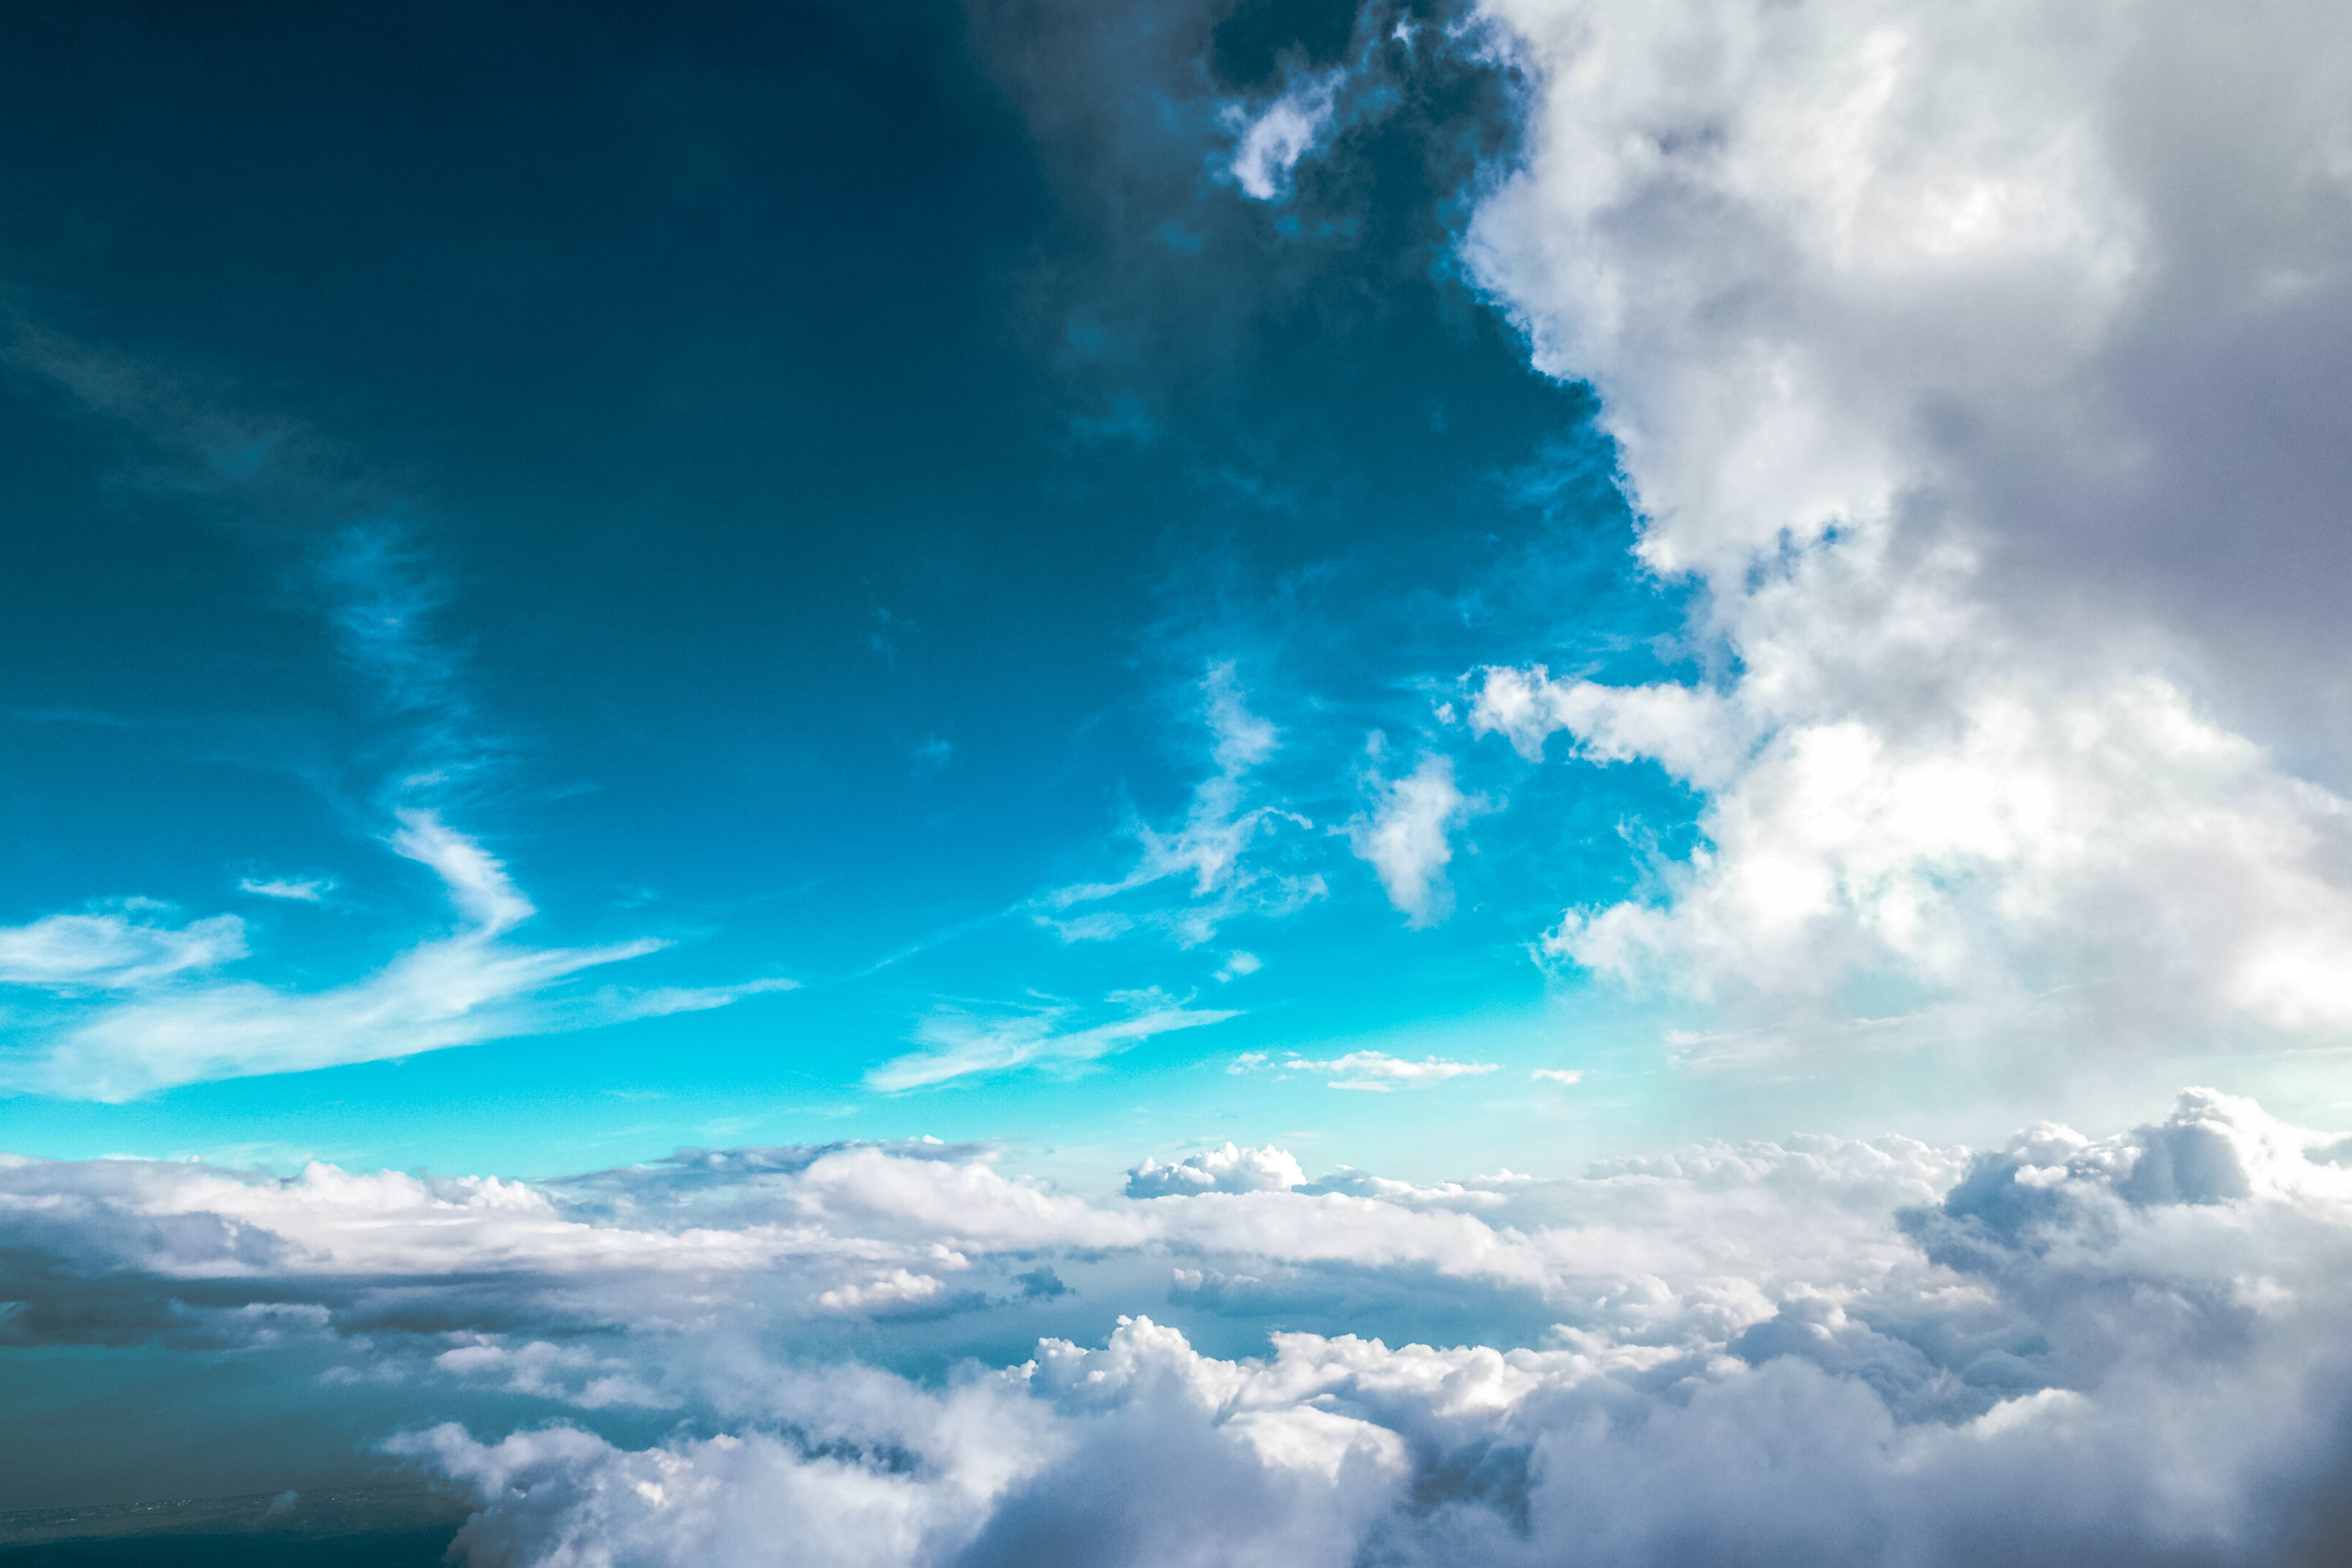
(810, 556)
(797, 491)
(1492, 783)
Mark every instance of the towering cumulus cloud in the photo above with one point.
(1984, 366)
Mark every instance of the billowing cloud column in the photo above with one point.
(1964, 358)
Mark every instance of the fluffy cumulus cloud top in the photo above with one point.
(1822, 1350)
(1984, 368)
(1226, 1170)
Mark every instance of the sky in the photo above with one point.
(1472, 774)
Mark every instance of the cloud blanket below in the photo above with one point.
(1823, 1352)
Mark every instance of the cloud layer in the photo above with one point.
(1825, 1351)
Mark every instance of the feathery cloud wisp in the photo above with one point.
(960, 1045)
(460, 989)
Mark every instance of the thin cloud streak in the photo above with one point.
(462, 989)
(1371, 1071)
(1210, 848)
(307, 892)
(962, 1045)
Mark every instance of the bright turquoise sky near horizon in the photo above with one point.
(954, 593)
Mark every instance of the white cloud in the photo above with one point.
(1566, 1077)
(1273, 141)
(309, 891)
(457, 990)
(959, 1044)
(1933, 360)
(1372, 1070)
(1209, 848)
(478, 882)
(2033, 837)
(113, 952)
(590, 1500)
(2070, 1349)
(2117, 1347)
(1405, 838)
(1227, 1169)
(758, 1230)
(893, 1289)
(572, 1374)
(1687, 730)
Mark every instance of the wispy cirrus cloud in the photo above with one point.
(959, 1044)
(135, 1003)
(114, 950)
(305, 891)
(175, 1027)
(380, 595)
(1374, 1071)
(1208, 849)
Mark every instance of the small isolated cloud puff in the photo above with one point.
(1405, 838)
(893, 1290)
(1227, 1169)
(1688, 731)
(1565, 1076)
(1273, 141)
